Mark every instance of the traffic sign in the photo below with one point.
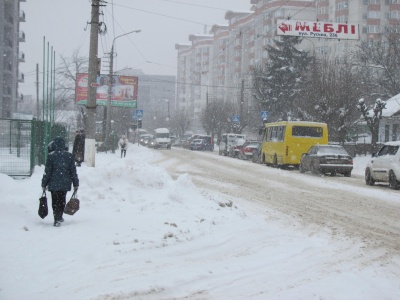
(236, 119)
(139, 113)
(134, 117)
(263, 115)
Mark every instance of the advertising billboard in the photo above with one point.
(123, 92)
(315, 29)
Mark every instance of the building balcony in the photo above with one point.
(22, 16)
(21, 77)
(21, 37)
(21, 57)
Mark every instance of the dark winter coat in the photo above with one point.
(60, 170)
(78, 149)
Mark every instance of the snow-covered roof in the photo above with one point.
(161, 130)
(392, 107)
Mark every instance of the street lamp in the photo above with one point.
(111, 82)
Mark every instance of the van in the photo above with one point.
(228, 141)
(285, 142)
(162, 138)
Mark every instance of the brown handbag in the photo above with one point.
(72, 206)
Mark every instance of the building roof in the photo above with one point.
(392, 107)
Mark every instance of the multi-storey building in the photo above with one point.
(156, 97)
(10, 56)
(238, 46)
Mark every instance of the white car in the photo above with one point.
(385, 166)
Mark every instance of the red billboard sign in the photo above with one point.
(318, 29)
(123, 92)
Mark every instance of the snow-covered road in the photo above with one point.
(344, 206)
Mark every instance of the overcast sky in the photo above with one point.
(163, 23)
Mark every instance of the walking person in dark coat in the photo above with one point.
(59, 174)
(78, 149)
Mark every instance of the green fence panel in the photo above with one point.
(23, 144)
(15, 147)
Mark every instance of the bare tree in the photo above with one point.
(329, 95)
(216, 118)
(66, 82)
(380, 63)
(180, 122)
(372, 116)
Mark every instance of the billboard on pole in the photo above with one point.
(123, 92)
(328, 30)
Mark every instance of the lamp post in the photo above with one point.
(111, 83)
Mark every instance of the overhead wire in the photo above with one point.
(191, 4)
(162, 15)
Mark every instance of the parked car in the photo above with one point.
(235, 148)
(200, 144)
(385, 166)
(208, 141)
(256, 157)
(246, 151)
(324, 159)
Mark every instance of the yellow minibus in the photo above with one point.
(285, 142)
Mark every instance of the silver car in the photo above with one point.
(384, 166)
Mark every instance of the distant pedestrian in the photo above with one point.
(123, 145)
(59, 174)
(78, 149)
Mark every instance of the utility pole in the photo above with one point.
(90, 126)
(109, 96)
(37, 93)
(241, 103)
(111, 83)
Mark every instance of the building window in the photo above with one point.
(395, 14)
(341, 6)
(374, 29)
(395, 132)
(374, 15)
(342, 19)
(386, 133)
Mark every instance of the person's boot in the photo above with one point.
(57, 223)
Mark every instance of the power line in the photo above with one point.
(197, 5)
(162, 15)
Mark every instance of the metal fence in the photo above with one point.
(23, 144)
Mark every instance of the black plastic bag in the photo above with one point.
(43, 209)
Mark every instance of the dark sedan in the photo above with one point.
(323, 159)
(200, 144)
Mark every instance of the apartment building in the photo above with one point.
(239, 45)
(10, 36)
(156, 97)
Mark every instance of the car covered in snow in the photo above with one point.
(384, 166)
